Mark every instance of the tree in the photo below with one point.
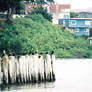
(20, 9)
(10, 6)
(44, 12)
(74, 15)
(40, 1)
(37, 33)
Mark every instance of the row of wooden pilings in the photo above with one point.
(29, 68)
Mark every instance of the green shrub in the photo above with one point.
(37, 33)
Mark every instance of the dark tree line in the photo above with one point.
(11, 6)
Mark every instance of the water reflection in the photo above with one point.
(28, 86)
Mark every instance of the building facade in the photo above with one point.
(78, 26)
(90, 40)
(57, 10)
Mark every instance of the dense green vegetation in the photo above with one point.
(17, 6)
(37, 33)
(74, 15)
(43, 11)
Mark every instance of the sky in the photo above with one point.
(77, 4)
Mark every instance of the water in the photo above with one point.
(72, 75)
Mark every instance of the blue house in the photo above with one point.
(90, 40)
(78, 26)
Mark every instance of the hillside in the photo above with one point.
(36, 33)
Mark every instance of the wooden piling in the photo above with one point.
(27, 68)
(12, 69)
(48, 68)
(21, 66)
(53, 65)
(17, 69)
(5, 69)
(0, 72)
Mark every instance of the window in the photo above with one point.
(66, 16)
(62, 10)
(64, 22)
(29, 6)
(86, 30)
(91, 42)
(77, 30)
(87, 23)
(73, 22)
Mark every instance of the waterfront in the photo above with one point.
(72, 75)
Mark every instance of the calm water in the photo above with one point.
(72, 75)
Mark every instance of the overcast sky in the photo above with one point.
(78, 4)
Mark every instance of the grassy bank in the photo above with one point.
(36, 33)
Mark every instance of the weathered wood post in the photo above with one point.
(21, 67)
(36, 67)
(53, 65)
(5, 67)
(12, 68)
(30, 62)
(17, 69)
(41, 67)
(27, 67)
(24, 68)
(48, 67)
(0, 72)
